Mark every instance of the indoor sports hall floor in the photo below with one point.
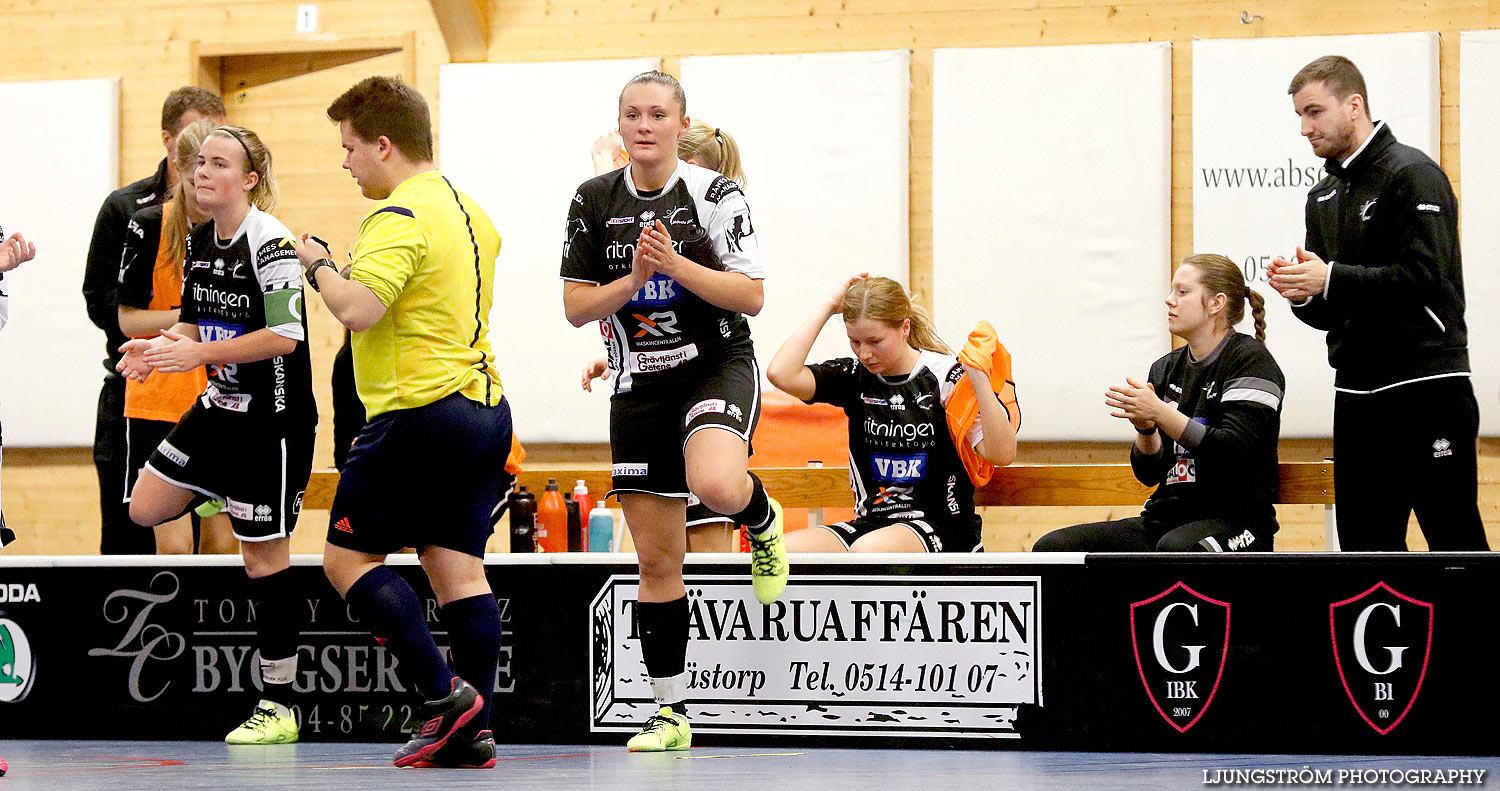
(168, 766)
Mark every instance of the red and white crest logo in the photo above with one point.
(1181, 642)
(1382, 641)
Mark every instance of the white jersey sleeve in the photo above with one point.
(726, 216)
(279, 273)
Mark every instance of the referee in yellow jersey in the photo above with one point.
(422, 472)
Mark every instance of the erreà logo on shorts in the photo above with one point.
(630, 469)
(249, 511)
(17, 662)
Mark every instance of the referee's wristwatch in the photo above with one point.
(312, 271)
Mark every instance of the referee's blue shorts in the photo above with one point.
(423, 477)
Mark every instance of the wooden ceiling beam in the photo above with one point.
(466, 28)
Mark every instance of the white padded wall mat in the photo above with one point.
(824, 138)
(1252, 171)
(1050, 203)
(516, 137)
(1479, 205)
(61, 159)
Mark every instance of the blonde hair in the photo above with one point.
(258, 161)
(1219, 275)
(884, 300)
(177, 227)
(712, 148)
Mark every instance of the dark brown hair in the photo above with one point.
(387, 107)
(1337, 73)
(189, 97)
(1219, 275)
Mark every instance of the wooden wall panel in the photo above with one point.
(150, 44)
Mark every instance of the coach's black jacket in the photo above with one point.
(101, 271)
(1394, 307)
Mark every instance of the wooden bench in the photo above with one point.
(1305, 483)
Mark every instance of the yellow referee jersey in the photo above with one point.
(428, 252)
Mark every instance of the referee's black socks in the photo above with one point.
(277, 629)
(392, 611)
(663, 628)
(757, 515)
(474, 630)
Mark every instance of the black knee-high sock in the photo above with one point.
(474, 631)
(757, 514)
(664, 637)
(277, 627)
(392, 611)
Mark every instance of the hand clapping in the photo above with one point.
(1300, 279)
(1135, 402)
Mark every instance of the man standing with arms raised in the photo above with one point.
(1381, 273)
(423, 470)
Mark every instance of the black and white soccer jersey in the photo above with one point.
(1225, 463)
(663, 325)
(232, 288)
(902, 460)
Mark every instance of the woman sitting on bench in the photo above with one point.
(1207, 420)
(913, 491)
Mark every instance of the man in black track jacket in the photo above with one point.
(1381, 273)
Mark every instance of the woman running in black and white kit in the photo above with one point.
(687, 388)
(912, 490)
(1207, 421)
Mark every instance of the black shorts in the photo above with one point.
(700, 514)
(141, 438)
(429, 476)
(949, 535)
(643, 423)
(257, 467)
